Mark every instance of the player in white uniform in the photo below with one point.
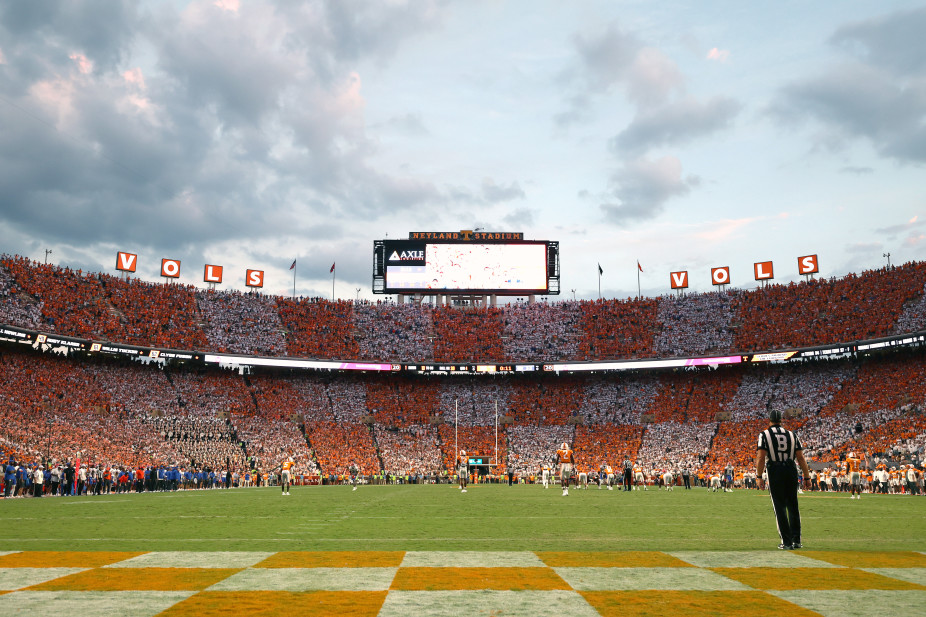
(668, 480)
(545, 475)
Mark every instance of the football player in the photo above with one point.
(566, 461)
(462, 469)
(286, 470)
(853, 470)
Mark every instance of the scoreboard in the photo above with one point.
(476, 266)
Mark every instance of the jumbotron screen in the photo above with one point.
(418, 267)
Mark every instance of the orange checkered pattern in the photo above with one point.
(462, 583)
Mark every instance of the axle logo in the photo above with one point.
(406, 256)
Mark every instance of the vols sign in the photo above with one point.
(764, 270)
(679, 280)
(254, 278)
(808, 264)
(720, 276)
(213, 274)
(127, 262)
(170, 268)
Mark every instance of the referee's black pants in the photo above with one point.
(628, 479)
(782, 485)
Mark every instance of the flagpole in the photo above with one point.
(639, 293)
(295, 267)
(333, 274)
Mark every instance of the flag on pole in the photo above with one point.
(600, 271)
(332, 268)
(639, 266)
(292, 267)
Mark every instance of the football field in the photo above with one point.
(430, 550)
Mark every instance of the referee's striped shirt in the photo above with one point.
(780, 444)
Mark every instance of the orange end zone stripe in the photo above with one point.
(611, 559)
(863, 559)
(812, 578)
(691, 603)
(273, 603)
(455, 579)
(334, 559)
(139, 579)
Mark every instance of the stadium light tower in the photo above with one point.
(47, 253)
(573, 295)
(358, 294)
(888, 255)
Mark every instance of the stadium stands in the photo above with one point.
(129, 414)
(872, 304)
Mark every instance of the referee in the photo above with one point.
(778, 450)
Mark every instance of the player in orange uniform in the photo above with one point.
(566, 461)
(286, 470)
(854, 476)
(462, 469)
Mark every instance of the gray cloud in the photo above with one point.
(880, 96)
(856, 171)
(176, 129)
(642, 187)
(493, 192)
(676, 123)
(522, 217)
(612, 59)
(892, 231)
(894, 41)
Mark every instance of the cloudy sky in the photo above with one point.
(248, 134)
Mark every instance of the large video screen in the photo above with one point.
(419, 267)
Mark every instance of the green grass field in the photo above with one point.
(439, 518)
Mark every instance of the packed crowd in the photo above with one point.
(129, 414)
(154, 315)
(245, 323)
(409, 450)
(398, 403)
(695, 324)
(542, 332)
(671, 445)
(338, 447)
(318, 329)
(856, 307)
(602, 444)
(468, 335)
(618, 329)
(14, 308)
(475, 440)
(530, 447)
(393, 332)
(102, 307)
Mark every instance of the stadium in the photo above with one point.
(134, 381)
(488, 308)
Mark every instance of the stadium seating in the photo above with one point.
(130, 414)
(872, 304)
(127, 413)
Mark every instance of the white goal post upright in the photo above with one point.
(456, 430)
(496, 433)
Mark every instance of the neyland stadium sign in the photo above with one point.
(466, 235)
